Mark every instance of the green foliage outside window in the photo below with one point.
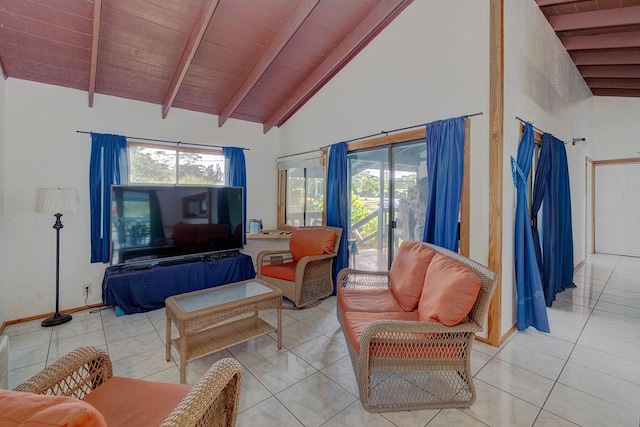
(157, 166)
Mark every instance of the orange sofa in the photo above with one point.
(409, 330)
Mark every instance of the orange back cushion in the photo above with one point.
(311, 241)
(407, 273)
(37, 410)
(450, 290)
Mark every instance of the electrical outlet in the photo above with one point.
(86, 290)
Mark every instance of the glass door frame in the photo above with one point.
(420, 133)
(388, 204)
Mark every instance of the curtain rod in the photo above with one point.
(525, 122)
(386, 132)
(167, 141)
(535, 128)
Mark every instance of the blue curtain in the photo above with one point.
(551, 191)
(445, 167)
(530, 302)
(338, 203)
(109, 165)
(237, 177)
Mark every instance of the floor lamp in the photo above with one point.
(56, 201)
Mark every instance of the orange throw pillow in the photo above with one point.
(37, 410)
(311, 241)
(450, 290)
(407, 273)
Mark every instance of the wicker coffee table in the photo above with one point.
(199, 317)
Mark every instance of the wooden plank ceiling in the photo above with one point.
(254, 60)
(603, 39)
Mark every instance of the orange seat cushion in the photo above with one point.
(450, 290)
(401, 345)
(37, 410)
(311, 241)
(407, 273)
(131, 402)
(371, 300)
(286, 271)
(355, 321)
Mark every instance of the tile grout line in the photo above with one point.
(555, 383)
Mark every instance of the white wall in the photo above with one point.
(417, 71)
(3, 300)
(615, 134)
(42, 149)
(542, 85)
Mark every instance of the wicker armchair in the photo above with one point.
(409, 365)
(313, 277)
(213, 400)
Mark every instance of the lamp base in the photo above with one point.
(56, 319)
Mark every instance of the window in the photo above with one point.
(301, 184)
(158, 164)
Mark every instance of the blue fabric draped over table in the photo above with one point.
(551, 191)
(138, 291)
(445, 168)
(108, 166)
(530, 303)
(338, 209)
(237, 177)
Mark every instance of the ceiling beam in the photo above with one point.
(3, 70)
(627, 39)
(380, 16)
(95, 38)
(544, 3)
(189, 52)
(596, 19)
(267, 58)
(597, 83)
(617, 92)
(616, 57)
(610, 71)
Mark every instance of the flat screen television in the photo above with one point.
(159, 222)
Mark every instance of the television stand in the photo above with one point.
(135, 290)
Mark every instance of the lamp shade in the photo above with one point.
(57, 200)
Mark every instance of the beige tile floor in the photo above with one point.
(585, 372)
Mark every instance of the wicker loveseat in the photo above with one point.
(303, 271)
(86, 374)
(410, 330)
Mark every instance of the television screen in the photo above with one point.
(151, 222)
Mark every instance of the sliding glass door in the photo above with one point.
(388, 202)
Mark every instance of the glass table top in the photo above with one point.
(220, 296)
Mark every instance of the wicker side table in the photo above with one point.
(200, 319)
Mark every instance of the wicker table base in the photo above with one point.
(200, 319)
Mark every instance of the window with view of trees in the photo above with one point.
(301, 191)
(150, 164)
(305, 196)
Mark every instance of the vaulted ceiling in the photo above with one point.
(254, 60)
(603, 39)
(258, 60)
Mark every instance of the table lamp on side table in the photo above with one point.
(56, 201)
